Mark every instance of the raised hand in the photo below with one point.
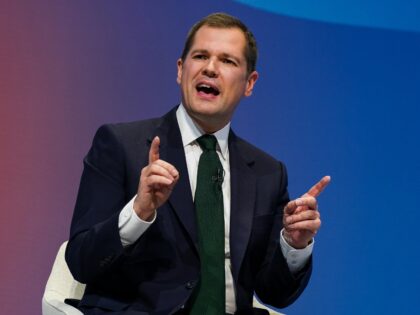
(157, 180)
(301, 218)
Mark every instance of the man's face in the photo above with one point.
(213, 76)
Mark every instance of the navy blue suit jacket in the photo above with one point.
(157, 274)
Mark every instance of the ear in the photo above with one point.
(252, 78)
(179, 75)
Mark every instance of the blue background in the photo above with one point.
(338, 94)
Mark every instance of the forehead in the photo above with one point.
(221, 40)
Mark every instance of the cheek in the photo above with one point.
(186, 80)
(187, 88)
(237, 89)
(236, 80)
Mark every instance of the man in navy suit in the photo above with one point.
(134, 238)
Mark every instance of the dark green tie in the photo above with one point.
(210, 294)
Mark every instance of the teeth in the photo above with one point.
(208, 89)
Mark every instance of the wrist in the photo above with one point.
(296, 245)
(145, 215)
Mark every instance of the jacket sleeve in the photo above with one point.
(94, 244)
(275, 284)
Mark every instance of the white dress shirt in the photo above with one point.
(131, 227)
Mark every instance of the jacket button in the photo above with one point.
(190, 284)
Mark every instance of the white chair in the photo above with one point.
(61, 285)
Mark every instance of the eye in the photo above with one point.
(200, 57)
(229, 61)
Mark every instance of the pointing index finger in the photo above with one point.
(154, 150)
(319, 187)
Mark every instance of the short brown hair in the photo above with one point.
(223, 20)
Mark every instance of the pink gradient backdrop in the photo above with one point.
(332, 98)
(66, 68)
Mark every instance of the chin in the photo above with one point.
(205, 108)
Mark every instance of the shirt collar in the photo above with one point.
(190, 131)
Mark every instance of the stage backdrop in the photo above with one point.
(338, 94)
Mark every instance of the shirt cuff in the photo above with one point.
(131, 227)
(295, 258)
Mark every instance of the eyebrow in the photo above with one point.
(237, 60)
(199, 51)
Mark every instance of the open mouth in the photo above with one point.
(207, 89)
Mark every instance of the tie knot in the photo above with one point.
(207, 142)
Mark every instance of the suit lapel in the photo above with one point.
(172, 151)
(243, 189)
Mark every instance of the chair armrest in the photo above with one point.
(257, 304)
(57, 307)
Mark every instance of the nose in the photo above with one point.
(210, 68)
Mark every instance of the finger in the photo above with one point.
(169, 167)
(307, 225)
(307, 202)
(301, 204)
(154, 150)
(157, 169)
(302, 216)
(157, 181)
(162, 189)
(319, 187)
(290, 207)
(171, 187)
